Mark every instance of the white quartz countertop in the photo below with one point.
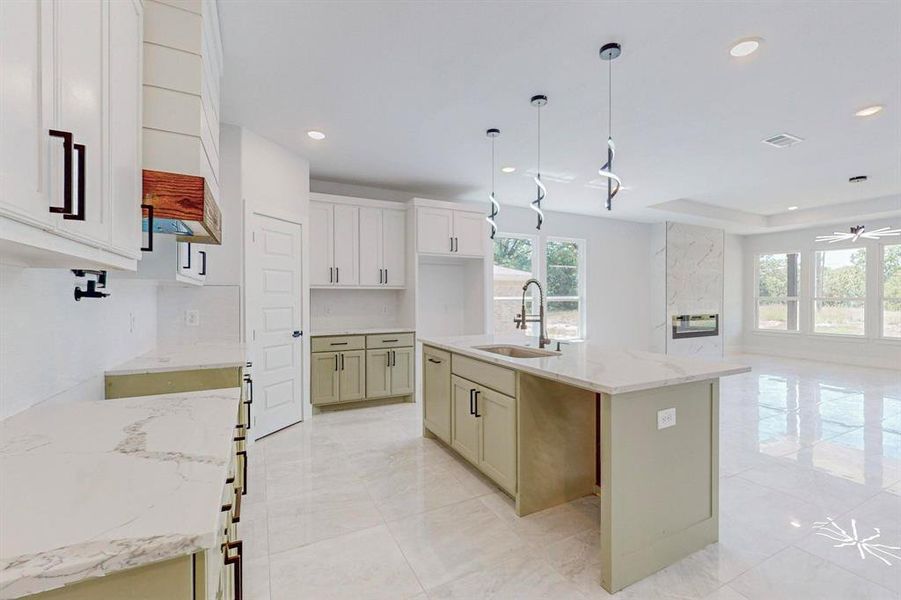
(90, 488)
(184, 358)
(369, 331)
(590, 367)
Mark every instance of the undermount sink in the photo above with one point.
(514, 351)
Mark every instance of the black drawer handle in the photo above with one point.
(337, 343)
(476, 412)
(203, 263)
(66, 208)
(243, 455)
(435, 360)
(472, 410)
(386, 341)
(82, 202)
(149, 246)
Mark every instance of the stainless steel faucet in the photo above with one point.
(522, 318)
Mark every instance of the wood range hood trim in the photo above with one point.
(181, 199)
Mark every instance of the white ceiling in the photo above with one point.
(405, 90)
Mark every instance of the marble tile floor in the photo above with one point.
(356, 504)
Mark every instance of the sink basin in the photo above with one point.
(517, 351)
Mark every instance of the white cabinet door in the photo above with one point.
(187, 267)
(371, 263)
(126, 34)
(199, 262)
(496, 414)
(465, 426)
(401, 371)
(378, 373)
(322, 228)
(394, 247)
(82, 37)
(24, 103)
(470, 232)
(434, 230)
(347, 239)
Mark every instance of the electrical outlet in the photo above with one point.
(192, 318)
(666, 418)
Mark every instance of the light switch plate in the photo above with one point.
(666, 418)
(192, 318)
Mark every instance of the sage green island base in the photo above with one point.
(539, 438)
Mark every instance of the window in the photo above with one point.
(840, 291)
(778, 279)
(891, 291)
(564, 262)
(514, 263)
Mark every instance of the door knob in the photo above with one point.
(297, 333)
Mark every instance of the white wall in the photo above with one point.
(618, 271)
(53, 348)
(867, 351)
(274, 180)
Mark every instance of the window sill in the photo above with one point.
(777, 331)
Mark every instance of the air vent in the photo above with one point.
(783, 140)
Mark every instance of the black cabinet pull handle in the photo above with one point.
(452, 244)
(243, 455)
(476, 413)
(472, 410)
(456, 244)
(386, 276)
(66, 208)
(386, 341)
(380, 275)
(330, 275)
(433, 360)
(342, 362)
(337, 343)
(82, 202)
(149, 246)
(188, 266)
(203, 263)
(236, 560)
(336, 362)
(337, 275)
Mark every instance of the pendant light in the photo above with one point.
(610, 52)
(541, 192)
(857, 232)
(495, 206)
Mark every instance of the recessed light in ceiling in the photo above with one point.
(316, 135)
(869, 111)
(857, 179)
(745, 47)
(508, 169)
(792, 208)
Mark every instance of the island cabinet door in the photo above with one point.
(378, 373)
(496, 414)
(324, 376)
(436, 392)
(465, 426)
(352, 375)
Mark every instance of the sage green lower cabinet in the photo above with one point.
(436, 392)
(352, 375)
(378, 373)
(465, 428)
(402, 371)
(324, 377)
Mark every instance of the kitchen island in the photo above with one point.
(537, 424)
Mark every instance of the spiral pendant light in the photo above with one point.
(495, 206)
(609, 52)
(541, 192)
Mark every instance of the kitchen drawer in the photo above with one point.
(497, 378)
(389, 340)
(338, 343)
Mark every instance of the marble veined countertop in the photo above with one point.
(184, 358)
(590, 367)
(363, 331)
(91, 488)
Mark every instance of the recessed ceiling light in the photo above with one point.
(745, 47)
(316, 135)
(792, 208)
(508, 169)
(869, 111)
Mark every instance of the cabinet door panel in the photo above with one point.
(352, 371)
(465, 427)
(126, 32)
(434, 230)
(436, 393)
(24, 95)
(402, 371)
(83, 37)
(470, 233)
(371, 263)
(347, 239)
(322, 263)
(378, 374)
(324, 377)
(497, 448)
(394, 246)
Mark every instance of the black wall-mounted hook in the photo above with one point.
(93, 284)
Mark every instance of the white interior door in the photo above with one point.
(274, 311)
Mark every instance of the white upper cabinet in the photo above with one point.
(450, 231)
(70, 103)
(357, 243)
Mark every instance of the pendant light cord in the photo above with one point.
(539, 141)
(609, 98)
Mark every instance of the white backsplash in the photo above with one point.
(356, 309)
(218, 311)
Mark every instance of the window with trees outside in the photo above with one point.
(778, 280)
(840, 284)
(514, 264)
(564, 289)
(891, 291)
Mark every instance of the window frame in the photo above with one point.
(883, 244)
(581, 244)
(862, 300)
(799, 298)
